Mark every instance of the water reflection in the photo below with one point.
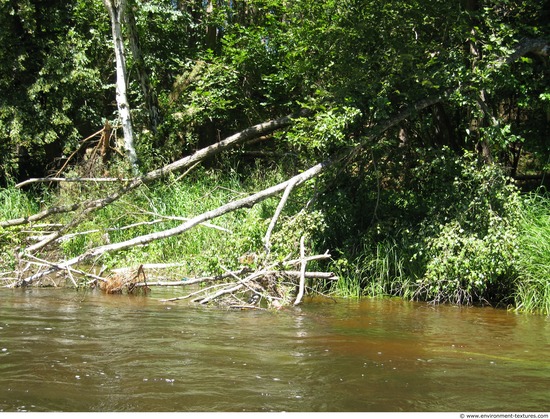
(66, 351)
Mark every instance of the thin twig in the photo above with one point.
(69, 269)
(73, 179)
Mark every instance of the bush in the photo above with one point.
(445, 230)
(470, 247)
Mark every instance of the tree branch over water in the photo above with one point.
(90, 206)
(209, 215)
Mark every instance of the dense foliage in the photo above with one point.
(429, 208)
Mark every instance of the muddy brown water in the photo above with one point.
(62, 350)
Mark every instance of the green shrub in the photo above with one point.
(470, 247)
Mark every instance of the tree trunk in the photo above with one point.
(212, 30)
(149, 96)
(116, 9)
(474, 54)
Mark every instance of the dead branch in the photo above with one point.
(201, 291)
(89, 206)
(220, 293)
(270, 284)
(129, 226)
(327, 276)
(40, 215)
(177, 218)
(224, 209)
(153, 266)
(186, 162)
(275, 217)
(229, 288)
(71, 179)
(74, 153)
(41, 262)
(325, 255)
(246, 306)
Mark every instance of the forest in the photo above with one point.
(269, 149)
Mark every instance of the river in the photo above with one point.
(62, 350)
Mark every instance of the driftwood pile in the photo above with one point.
(274, 286)
(129, 281)
(270, 285)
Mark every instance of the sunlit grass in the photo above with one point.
(15, 203)
(204, 248)
(533, 287)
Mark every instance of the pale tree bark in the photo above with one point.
(116, 10)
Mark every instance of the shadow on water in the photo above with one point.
(87, 351)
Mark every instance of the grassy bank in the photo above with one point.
(168, 204)
(501, 258)
(208, 248)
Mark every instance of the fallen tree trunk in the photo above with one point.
(249, 201)
(142, 240)
(186, 162)
(71, 180)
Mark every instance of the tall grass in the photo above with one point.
(166, 204)
(533, 285)
(375, 273)
(15, 203)
(205, 249)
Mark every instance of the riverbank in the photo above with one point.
(495, 250)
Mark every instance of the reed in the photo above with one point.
(377, 272)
